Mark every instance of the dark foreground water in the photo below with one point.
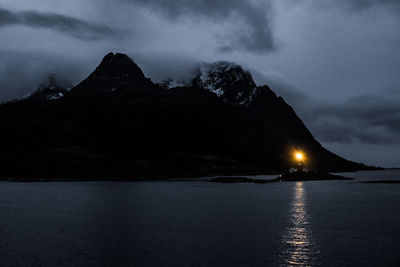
(201, 224)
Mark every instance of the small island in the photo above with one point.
(310, 176)
(287, 177)
(296, 174)
(382, 182)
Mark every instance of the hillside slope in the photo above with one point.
(118, 124)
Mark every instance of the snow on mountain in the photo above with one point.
(50, 89)
(227, 80)
(170, 83)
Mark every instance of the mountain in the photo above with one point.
(118, 124)
(228, 81)
(49, 89)
(225, 79)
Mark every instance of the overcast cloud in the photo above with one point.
(336, 62)
(72, 26)
(360, 4)
(254, 34)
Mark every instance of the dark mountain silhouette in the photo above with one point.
(50, 89)
(118, 124)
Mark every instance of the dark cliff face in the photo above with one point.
(228, 81)
(118, 124)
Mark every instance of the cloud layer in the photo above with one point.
(69, 25)
(361, 4)
(253, 34)
(367, 119)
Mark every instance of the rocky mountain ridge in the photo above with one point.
(117, 124)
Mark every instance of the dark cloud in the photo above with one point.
(161, 66)
(361, 4)
(22, 72)
(369, 3)
(253, 35)
(369, 119)
(72, 26)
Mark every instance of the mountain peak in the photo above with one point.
(227, 80)
(50, 89)
(116, 72)
(117, 65)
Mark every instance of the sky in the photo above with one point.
(337, 63)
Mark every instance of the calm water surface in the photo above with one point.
(195, 223)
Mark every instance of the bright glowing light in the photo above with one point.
(299, 156)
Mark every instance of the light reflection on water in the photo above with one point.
(298, 246)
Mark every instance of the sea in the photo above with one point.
(198, 223)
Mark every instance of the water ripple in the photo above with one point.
(298, 246)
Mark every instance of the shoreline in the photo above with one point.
(217, 178)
